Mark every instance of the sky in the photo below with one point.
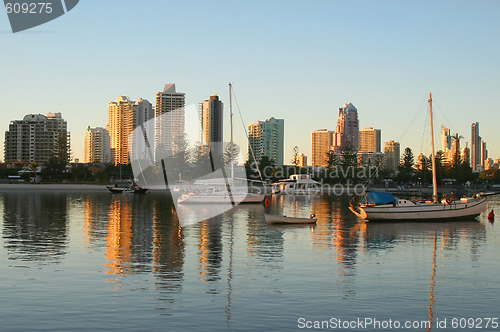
(295, 60)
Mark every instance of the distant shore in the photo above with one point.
(62, 187)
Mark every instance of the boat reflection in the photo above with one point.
(143, 234)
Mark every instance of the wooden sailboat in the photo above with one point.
(385, 207)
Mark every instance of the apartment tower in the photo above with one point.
(370, 140)
(170, 121)
(266, 138)
(347, 130)
(211, 124)
(321, 144)
(36, 138)
(97, 145)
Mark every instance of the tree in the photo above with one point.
(331, 159)
(231, 153)
(349, 162)
(406, 166)
(441, 170)
(295, 158)
(63, 151)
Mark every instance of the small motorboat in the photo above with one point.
(276, 219)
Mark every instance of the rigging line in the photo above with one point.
(424, 134)
(415, 116)
(444, 115)
(248, 138)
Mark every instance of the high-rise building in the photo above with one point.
(36, 138)
(143, 111)
(97, 145)
(465, 155)
(141, 143)
(370, 140)
(211, 121)
(455, 146)
(475, 147)
(445, 139)
(170, 121)
(266, 138)
(321, 144)
(347, 130)
(120, 125)
(483, 155)
(392, 155)
(301, 160)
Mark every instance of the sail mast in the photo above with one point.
(231, 122)
(433, 158)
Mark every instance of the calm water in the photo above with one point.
(109, 262)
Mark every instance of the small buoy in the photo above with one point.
(266, 202)
(491, 215)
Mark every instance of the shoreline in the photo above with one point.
(61, 187)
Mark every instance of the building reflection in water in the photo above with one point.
(35, 226)
(334, 231)
(210, 251)
(140, 234)
(265, 243)
(119, 236)
(168, 252)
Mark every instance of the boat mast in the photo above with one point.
(231, 122)
(433, 159)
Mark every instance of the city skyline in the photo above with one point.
(385, 71)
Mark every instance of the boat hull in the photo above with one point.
(221, 199)
(423, 212)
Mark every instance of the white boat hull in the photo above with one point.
(236, 198)
(427, 211)
(275, 219)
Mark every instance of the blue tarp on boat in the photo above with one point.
(378, 197)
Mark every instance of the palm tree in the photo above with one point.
(455, 149)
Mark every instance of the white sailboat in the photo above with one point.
(226, 190)
(385, 207)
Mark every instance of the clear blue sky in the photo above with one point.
(297, 60)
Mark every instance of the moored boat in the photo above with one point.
(118, 188)
(297, 184)
(384, 206)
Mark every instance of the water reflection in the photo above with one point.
(35, 226)
(142, 235)
(384, 236)
(168, 252)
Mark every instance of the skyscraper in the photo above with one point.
(347, 130)
(321, 144)
(97, 145)
(301, 160)
(483, 155)
(370, 140)
(445, 139)
(465, 155)
(36, 138)
(392, 155)
(120, 125)
(170, 121)
(266, 138)
(211, 121)
(141, 143)
(475, 147)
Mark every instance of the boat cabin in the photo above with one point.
(297, 184)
